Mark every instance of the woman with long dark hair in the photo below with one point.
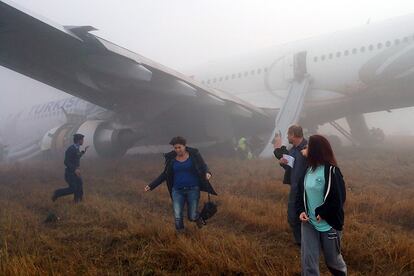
(186, 175)
(319, 206)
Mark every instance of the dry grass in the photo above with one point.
(119, 230)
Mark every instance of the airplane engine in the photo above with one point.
(103, 139)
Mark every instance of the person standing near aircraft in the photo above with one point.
(243, 149)
(72, 171)
(319, 204)
(293, 171)
(186, 175)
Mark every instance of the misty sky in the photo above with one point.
(185, 33)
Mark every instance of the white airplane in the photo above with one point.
(129, 100)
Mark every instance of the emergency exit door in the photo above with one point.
(294, 66)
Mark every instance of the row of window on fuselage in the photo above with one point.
(321, 58)
(235, 76)
(362, 49)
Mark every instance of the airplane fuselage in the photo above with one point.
(362, 70)
(373, 64)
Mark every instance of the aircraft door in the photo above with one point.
(294, 66)
(299, 65)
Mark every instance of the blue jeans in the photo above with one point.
(180, 196)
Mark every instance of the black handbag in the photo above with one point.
(208, 211)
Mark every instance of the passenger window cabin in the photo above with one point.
(370, 47)
(354, 51)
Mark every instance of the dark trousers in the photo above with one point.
(293, 218)
(75, 187)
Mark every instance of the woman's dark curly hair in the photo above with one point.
(178, 140)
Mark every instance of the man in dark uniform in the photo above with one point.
(294, 173)
(72, 171)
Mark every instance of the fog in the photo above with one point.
(183, 34)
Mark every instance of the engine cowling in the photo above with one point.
(103, 139)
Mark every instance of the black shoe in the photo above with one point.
(54, 197)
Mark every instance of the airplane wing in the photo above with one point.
(75, 61)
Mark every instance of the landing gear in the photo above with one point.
(359, 129)
(360, 134)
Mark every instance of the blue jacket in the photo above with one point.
(72, 158)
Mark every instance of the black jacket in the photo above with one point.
(293, 175)
(72, 158)
(331, 209)
(168, 173)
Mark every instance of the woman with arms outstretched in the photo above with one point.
(186, 175)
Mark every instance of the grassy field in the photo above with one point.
(120, 230)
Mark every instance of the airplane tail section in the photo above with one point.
(289, 113)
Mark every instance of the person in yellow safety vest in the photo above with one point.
(243, 149)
